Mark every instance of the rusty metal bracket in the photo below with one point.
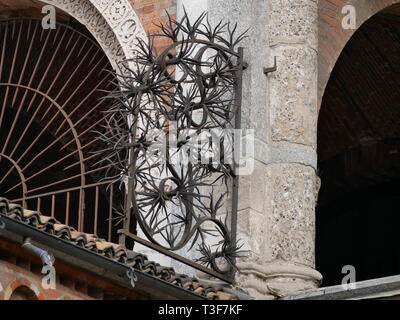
(271, 69)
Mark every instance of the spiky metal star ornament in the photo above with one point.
(178, 95)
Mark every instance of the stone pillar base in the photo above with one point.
(276, 279)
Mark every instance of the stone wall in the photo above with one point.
(277, 202)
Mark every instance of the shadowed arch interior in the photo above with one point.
(23, 293)
(358, 211)
(52, 103)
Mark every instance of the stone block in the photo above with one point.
(294, 21)
(293, 91)
(290, 206)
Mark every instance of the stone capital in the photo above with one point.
(277, 278)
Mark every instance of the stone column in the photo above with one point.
(277, 202)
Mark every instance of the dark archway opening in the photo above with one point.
(52, 109)
(358, 211)
(23, 293)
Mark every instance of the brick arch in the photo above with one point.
(19, 283)
(333, 38)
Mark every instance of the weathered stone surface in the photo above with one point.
(285, 153)
(268, 280)
(277, 202)
(279, 234)
(293, 90)
(290, 200)
(252, 188)
(276, 218)
(252, 233)
(294, 21)
(253, 17)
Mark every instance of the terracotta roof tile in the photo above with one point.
(44, 220)
(110, 250)
(224, 296)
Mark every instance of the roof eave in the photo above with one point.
(113, 271)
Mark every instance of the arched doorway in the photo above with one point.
(52, 107)
(23, 293)
(358, 211)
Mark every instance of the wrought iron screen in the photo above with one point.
(50, 104)
(172, 142)
(158, 154)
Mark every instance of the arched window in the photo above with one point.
(23, 293)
